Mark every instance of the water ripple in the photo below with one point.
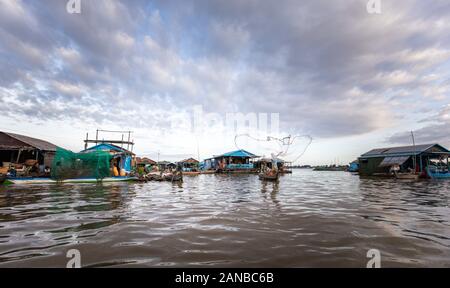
(308, 219)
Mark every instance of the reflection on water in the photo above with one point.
(308, 219)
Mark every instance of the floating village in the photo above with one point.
(27, 160)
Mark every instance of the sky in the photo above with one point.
(173, 71)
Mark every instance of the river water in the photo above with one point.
(308, 219)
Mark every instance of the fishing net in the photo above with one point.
(69, 165)
(290, 148)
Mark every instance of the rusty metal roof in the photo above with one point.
(30, 142)
(189, 160)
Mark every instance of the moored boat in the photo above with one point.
(407, 176)
(191, 173)
(269, 176)
(434, 172)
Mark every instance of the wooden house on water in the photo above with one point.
(165, 165)
(144, 164)
(24, 152)
(239, 161)
(378, 162)
(189, 165)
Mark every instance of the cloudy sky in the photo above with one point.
(351, 80)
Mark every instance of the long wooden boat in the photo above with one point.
(32, 180)
(191, 173)
(436, 174)
(266, 177)
(407, 176)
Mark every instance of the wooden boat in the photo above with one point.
(154, 176)
(268, 177)
(173, 177)
(435, 173)
(32, 180)
(407, 176)
(191, 173)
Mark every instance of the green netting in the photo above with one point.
(69, 165)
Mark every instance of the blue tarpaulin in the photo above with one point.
(239, 153)
(127, 165)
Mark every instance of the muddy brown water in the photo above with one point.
(308, 219)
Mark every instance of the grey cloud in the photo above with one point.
(436, 130)
(328, 68)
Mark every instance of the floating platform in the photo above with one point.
(32, 180)
(186, 173)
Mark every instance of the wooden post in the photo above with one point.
(18, 156)
(86, 142)
(421, 164)
(129, 136)
(96, 137)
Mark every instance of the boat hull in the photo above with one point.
(268, 178)
(437, 174)
(407, 176)
(28, 181)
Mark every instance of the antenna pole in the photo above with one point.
(414, 145)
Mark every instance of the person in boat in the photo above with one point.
(394, 169)
(274, 170)
(115, 170)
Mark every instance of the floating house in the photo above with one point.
(122, 158)
(144, 164)
(144, 161)
(189, 165)
(235, 161)
(208, 164)
(378, 162)
(24, 152)
(163, 165)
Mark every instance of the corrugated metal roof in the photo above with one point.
(238, 153)
(269, 160)
(402, 151)
(145, 160)
(391, 161)
(108, 146)
(33, 142)
(189, 160)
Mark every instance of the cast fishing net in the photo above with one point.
(69, 165)
(290, 148)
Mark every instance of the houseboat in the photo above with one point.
(189, 166)
(41, 162)
(426, 161)
(239, 161)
